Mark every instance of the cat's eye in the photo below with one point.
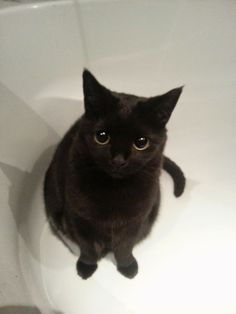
(141, 143)
(102, 137)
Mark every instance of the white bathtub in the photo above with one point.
(187, 265)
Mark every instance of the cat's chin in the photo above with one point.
(117, 175)
(121, 174)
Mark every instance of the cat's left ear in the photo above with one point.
(93, 92)
(162, 106)
(97, 98)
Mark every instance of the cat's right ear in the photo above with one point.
(94, 93)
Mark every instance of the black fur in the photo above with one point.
(177, 175)
(96, 203)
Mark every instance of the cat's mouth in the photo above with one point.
(121, 173)
(117, 174)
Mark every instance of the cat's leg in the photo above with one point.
(85, 269)
(87, 262)
(126, 262)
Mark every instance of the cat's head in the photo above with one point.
(124, 132)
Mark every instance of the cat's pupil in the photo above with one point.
(102, 137)
(141, 142)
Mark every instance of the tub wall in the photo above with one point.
(44, 47)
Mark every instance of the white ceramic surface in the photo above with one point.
(187, 265)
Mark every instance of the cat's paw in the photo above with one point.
(129, 271)
(85, 270)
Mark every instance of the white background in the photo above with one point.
(187, 265)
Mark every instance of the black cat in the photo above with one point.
(102, 187)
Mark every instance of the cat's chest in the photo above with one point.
(117, 199)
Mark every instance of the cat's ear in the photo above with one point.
(95, 95)
(163, 105)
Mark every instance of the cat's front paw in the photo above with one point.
(85, 270)
(129, 271)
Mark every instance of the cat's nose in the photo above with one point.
(118, 161)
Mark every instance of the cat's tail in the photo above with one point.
(176, 174)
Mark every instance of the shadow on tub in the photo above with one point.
(24, 159)
(20, 309)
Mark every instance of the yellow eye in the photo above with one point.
(141, 143)
(102, 137)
